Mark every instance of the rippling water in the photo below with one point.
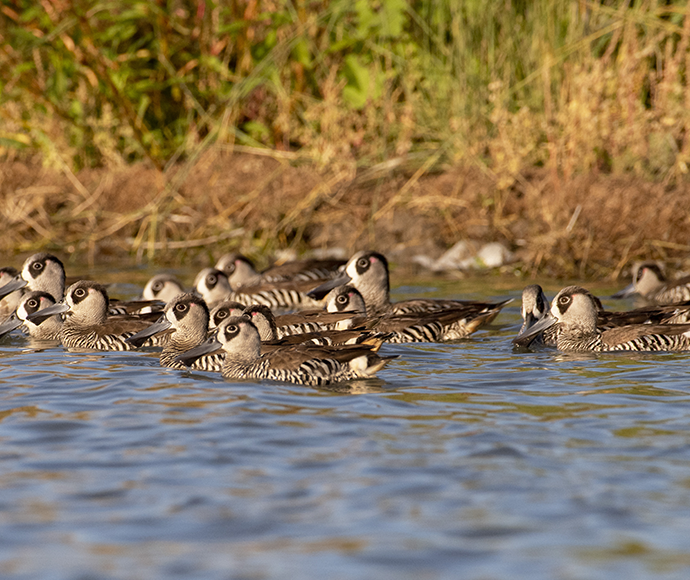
(462, 460)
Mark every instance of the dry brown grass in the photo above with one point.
(587, 227)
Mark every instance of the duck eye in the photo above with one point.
(221, 314)
(80, 292)
(342, 299)
(157, 286)
(37, 266)
(32, 303)
(362, 262)
(230, 329)
(180, 307)
(211, 279)
(564, 300)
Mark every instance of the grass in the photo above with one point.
(529, 99)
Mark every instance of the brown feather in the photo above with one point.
(291, 357)
(622, 334)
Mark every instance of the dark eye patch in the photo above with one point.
(79, 294)
(564, 303)
(362, 265)
(181, 310)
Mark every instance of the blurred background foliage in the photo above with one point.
(573, 85)
(369, 96)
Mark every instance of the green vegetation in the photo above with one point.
(567, 86)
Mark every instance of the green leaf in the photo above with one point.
(393, 17)
(356, 91)
(302, 54)
(257, 130)
(12, 143)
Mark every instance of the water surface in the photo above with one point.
(463, 460)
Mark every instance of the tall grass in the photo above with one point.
(571, 86)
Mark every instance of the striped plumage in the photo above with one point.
(86, 324)
(46, 273)
(535, 306)
(31, 302)
(415, 320)
(442, 320)
(650, 282)
(300, 364)
(293, 323)
(315, 321)
(40, 272)
(439, 326)
(574, 315)
(265, 322)
(241, 272)
(183, 326)
(214, 286)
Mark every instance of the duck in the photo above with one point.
(40, 272)
(183, 326)
(213, 285)
(222, 310)
(426, 320)
(304, 321)
(241, 271)
(309, 365)
(162, 287)
(346, 299)
(10, 301)
(45, 272)
(650, 282)
(535, 306)
(575, 316)
(86, 324)
(34, 301)
(436, 326)
(265, 321)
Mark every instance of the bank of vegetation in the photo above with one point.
(559, 127)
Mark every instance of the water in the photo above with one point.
(461, 461)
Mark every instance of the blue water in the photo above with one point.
(462, 460)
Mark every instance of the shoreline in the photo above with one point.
(590, 228)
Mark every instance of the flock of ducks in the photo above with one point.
(316, 322)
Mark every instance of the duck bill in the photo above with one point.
(530, 320)
(9, 325)
(16, 284)
(196, 353)
(142, 336)
(42, 315)
(527, 336)
(625, 292)
(320, 292)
